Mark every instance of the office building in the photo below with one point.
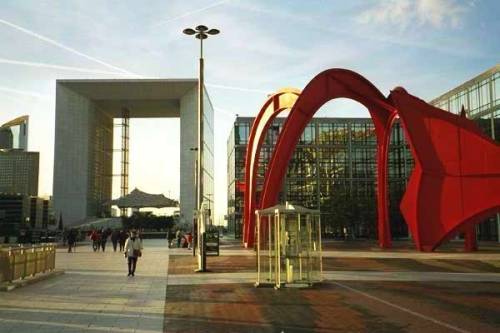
(333, 169)
(14, 217)
(14, 134)
(19, 172)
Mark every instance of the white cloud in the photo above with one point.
(60, 45)
(216, 4)
(25, 93)
(58, 67)
(405, 13)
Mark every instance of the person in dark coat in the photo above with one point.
(104, 239)
(123, 239)
(71, 240)
(115, 237)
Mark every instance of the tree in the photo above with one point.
(148, 221)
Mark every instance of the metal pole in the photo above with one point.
(200, 128)
(194, 240)
(201, 221)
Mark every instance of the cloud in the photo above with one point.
(219, 86)
(226, 113)
(216, 4)
(406, 13)
(59, 67)
(25, 93)
(62, 46)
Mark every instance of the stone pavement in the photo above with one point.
(364, 291)
(347, 306)
(94, 295)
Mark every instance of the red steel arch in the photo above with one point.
(328, 85)
(456, 178)
(275, 104)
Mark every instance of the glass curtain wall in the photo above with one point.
(333, 169)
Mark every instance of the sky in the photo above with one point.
(426, 46)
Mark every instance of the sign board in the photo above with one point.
(212, 242)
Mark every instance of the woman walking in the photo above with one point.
(133, 250)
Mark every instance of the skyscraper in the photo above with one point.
(19, 172)
(14, 134)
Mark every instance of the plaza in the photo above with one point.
(364, 289)
(288, 167)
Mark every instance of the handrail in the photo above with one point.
(19, 262)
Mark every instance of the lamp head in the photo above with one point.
(213, 32)
(201, 35)
(189, 31)
(201, 28)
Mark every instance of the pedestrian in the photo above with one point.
(189, 239)
(104, 239)
(178, 237)
(115, 237)
(133, 250)
(123, 239)
(95, 240)
(99, 237)
(71, 240)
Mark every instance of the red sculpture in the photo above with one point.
(283, 99)
(457, 173)
(457, 167)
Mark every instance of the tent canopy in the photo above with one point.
(139, 199)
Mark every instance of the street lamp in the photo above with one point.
(194, 230)
(201, 32)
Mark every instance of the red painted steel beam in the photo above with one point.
(454, 184)
(328, 85)
(457, 173)
(275, 104)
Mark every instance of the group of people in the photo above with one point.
(99, 239)
(130, 244)
(182, 240)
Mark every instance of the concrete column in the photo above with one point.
(189, 124)
(71, 155)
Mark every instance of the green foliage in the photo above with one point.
(148, 221)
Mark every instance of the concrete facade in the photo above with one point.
(83, 157)
(19, 172)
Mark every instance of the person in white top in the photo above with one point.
(133, 250)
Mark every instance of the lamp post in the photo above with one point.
(194, 230)
(201, 32)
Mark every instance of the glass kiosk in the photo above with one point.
(288, 246)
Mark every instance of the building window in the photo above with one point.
(242, 132)
(308, 136)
